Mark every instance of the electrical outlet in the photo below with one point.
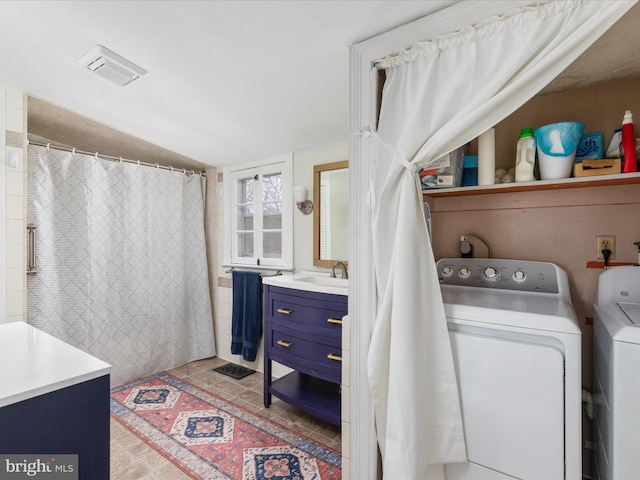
(603, 242)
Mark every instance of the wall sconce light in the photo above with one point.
(300, 197)
(14, 159)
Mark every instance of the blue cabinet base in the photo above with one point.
(72, 420)
(310, 394)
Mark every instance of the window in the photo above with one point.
(258, 207)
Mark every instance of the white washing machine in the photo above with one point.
(617, 374)
(517, 349)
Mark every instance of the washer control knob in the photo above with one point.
(447, 271)
(490, 274)
(519, 276)
(464, 272)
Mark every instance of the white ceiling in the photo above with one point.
(229, 81)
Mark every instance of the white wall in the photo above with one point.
(15, 208)
(303, 163)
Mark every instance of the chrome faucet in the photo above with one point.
(344, 270)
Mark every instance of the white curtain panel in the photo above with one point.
(122, 269)
(439, 95)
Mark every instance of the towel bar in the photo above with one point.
(278, 272)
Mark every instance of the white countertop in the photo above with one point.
(33, 363)
(311, 282)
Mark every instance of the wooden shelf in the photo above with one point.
(600, 264)
(581, 182)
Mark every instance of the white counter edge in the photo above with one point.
(24, 350)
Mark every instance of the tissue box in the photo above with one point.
(590, 147)
(445, 172)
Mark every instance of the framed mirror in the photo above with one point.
(330, 213)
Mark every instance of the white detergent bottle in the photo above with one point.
(525, 156)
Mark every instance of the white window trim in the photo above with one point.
(229, 172)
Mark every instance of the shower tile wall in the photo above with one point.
(15, 198)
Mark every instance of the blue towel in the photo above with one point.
(246, 314)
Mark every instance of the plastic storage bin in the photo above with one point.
(445, 172)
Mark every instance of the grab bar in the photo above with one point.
(31, 249)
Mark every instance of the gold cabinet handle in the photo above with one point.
(284, 311)
(282, 343)
(331, 356)
(334, 320)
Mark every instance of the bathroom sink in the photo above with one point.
(325, 281)
(310, 283)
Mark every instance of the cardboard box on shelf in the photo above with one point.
(589, 168)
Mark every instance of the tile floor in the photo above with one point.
(132, 459)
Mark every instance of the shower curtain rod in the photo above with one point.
(115, 159)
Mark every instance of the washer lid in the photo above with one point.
(619, 284)
(517, 309)
(632, 311)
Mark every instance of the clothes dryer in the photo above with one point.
(617, 375)
(517, 351)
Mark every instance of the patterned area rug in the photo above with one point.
(210, 438)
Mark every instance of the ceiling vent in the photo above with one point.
(111, 66)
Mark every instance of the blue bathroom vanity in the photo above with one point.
(303, 331)
(54, 400)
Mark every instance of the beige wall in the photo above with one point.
(15, 212)
(303, 163)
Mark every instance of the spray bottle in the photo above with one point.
(628, 144)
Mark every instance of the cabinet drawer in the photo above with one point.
(319, 356)
(314, 315)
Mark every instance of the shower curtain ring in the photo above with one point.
(172, 169)
(48, 145)
(138, 162)
(96, 155)
(120, 159)
(73, 152)
(157, 167)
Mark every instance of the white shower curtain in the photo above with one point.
(121, 263)
(439, 95)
